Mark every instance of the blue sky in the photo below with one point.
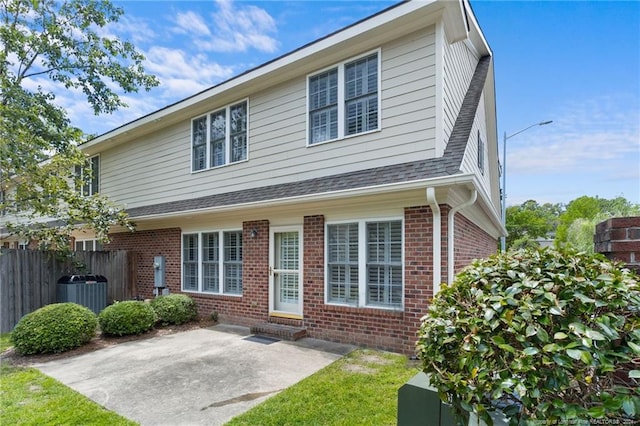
(576, 63)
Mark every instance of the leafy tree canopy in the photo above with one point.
(577, 223)
(59, 42)
(529, 221)
(573, 224)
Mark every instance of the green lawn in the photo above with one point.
(361, 388)
(5, 341)
(28, 397)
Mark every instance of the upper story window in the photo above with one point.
(219, 137)
(480, 153)
(344, 100)
(90, 183)
(364, 264)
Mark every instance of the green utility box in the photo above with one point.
(85, 290)
(420, 405)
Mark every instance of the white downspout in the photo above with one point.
(451, 231)
(437, 237)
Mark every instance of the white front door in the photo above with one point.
(285, 282)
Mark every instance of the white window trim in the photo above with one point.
(89, 161)
(481, 157)
(221, 291)
(84, 243)
(362, 263)
(227, 137)
(341, 101)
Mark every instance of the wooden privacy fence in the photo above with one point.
(28, 278)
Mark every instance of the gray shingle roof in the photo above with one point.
(448, 164)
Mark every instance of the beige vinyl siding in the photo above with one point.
(470, 160)
(459, 66)
(157, 168)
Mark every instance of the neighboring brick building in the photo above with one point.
(619, 239)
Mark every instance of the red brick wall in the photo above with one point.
(380, 328)
(252, 306)
(471, 242)
(619, 239)
(385, 329)
(146, 245)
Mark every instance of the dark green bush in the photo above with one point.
(174, 309)
(54, 328)
(129, 317)
(547, 335)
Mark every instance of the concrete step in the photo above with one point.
(279, 331)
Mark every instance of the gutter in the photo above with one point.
(437, 238)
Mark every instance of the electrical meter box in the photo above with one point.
(158, 272)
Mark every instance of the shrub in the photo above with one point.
(54, 328)
(129, 317)
(174, 309)
(542, 334)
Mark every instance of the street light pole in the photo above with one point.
(503, 239)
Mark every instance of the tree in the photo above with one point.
(39, 154)
(581, 215)
(529, 221)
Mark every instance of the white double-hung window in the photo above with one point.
(88, 177)
(364, 264)
(212, 262)
(219, 137)
(344, 100)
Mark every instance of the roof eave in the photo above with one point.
(452, 12)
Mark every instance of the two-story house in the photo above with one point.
(332, 189)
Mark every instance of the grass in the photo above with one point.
(361, 388)
(28, 397)
(5, 341)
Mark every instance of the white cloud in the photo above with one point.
(191, 23)
(231, 28)
(594, 134)
(129, 28)
(184, 74)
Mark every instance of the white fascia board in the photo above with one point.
(458, 179)
(455, 21)
(476, 36)
(434, 7)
